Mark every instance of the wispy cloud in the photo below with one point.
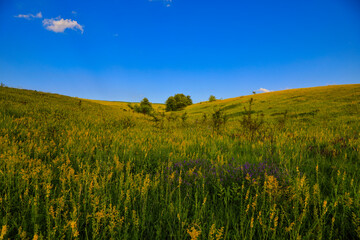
(29, 16)
(74, 12)
(59, 25)
(264, 90)
(167, 3)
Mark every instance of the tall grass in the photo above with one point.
(91, 171)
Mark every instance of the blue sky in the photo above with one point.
(127, 50)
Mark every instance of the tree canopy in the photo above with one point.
(212, 98)
(178, 102)
(145, 107)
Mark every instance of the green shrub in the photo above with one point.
(145, 107)
(250, 124)
(219, 119)
(178, 102)
(212, 98)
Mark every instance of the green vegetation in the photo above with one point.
(212, 98)
(284, 166)
(219, 119)
(178, 102)
(145, 107)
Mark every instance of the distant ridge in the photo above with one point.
(301, 103)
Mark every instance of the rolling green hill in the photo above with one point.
(323, 103)
(83, 169)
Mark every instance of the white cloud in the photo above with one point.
(29, 16)
(60, 25)
(264, 90)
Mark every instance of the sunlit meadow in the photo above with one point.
(284, 165)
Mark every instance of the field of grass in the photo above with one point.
(77, 169)
(125, 105)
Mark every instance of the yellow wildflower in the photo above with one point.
(288, 229)
(73, 225)
(247, 194)
(219, 233)
(247, 208)
(212, 232)
(22, 233)
(276, 221)
(36, 236)
(3, 231)
(348, 200)
(172, 176)
(271, 184)
(135, 219)
(252, 222)
(324, 207)
(193, 232)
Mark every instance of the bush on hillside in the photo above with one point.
(250, 124)
(212, 98)
(178, 102)
(219, 119)
(145, 107)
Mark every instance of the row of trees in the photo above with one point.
(173, 103)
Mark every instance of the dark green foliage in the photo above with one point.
(159, 119)
(184, 117)
(130, 106)
(173, 117)
(145, 107)
(212, 98)
(250, 124)
(178, 102)
(219, 119)
(170, 104)
(189, 100)
(204, 117)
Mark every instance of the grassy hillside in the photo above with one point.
(125, 105)
(322, 103)
(77, 169)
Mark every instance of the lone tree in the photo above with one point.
(178, 102)
(212, 98)
(145, 107)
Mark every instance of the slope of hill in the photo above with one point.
(77, 169)
(330, 102)
(125, 105)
